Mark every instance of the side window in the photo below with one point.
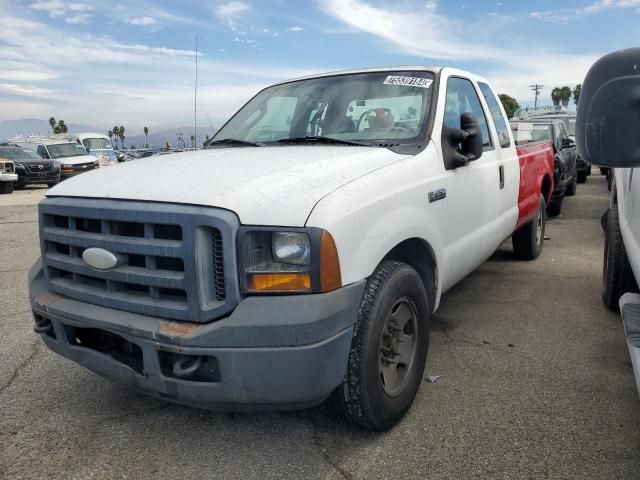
(461, 98)
(42, 152)
(496, 114)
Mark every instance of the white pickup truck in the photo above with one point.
(299, 257)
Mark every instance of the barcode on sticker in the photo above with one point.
(408, 81)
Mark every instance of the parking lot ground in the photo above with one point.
(535, 383)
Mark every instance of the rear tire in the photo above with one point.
(617, 276)
(6, 187)
(388, 352)
(573, 186)
(529, 239)
(554, 208)
(582, 177)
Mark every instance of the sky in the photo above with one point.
(133, 63)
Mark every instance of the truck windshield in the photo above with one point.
(375, 109)
(65, 150)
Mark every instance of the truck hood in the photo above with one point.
(262, 185)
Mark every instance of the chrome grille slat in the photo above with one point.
(159, 278)
(164, 245)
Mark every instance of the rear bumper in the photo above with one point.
(8, 177)
(630, 311)
(271, 353)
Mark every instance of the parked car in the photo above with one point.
(300, 257)
(565, 156)
(70, 156)
(8, 177)
(30, 167)
(606, 134)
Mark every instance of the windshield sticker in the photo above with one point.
(408, 81)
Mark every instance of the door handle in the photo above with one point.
(501, 170)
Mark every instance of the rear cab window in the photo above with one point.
(496, 115)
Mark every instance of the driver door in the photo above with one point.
(472, 190)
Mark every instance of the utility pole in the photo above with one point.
(536, 88)
(195, 101)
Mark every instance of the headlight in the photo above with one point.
(291, 247)
(19, 165)
(288, 261)
(67, 165)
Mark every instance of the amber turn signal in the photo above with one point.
(280, 282)
(330, 277)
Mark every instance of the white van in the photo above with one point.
(96, 144)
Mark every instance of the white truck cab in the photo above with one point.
(299, 257)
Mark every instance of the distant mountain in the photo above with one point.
(170, 136)
(159, 138)
(27, 126)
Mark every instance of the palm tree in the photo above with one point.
(110, 133)
(193, 141)
(576, 93)
(556, 97)
(115, 134)
(565, 96)
(146, 137)
(121, 135)
(62, 126)
(52, 123)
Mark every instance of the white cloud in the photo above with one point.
(296, 29)
(16, 89)
(429, 34)
(565, 15)
(55, 8)
(230, 12)
(80, 19)
(80, 7)
(142, 21)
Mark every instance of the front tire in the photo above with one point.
(582, 177)
(6, 187)
(529, 239)
(388, 349)
(617, 276)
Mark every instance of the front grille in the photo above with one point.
(83, 167)
(174, 261)
(39, 167)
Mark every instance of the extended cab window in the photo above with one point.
(496, 114)
(461, 98)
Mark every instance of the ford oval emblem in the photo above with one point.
(99, 258)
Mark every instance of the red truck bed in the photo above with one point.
(536, 177)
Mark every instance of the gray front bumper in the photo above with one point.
(271, 352)
(630, 311)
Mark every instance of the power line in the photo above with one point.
(536, 88)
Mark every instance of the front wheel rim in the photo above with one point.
(398, 346)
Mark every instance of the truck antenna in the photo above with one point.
(195, 101)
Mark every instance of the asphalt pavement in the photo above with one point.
(535, 383)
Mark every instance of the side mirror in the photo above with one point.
(608, 117)
(463, 145)
(567, 143)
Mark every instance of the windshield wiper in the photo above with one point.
(316, 139)
(235, 141)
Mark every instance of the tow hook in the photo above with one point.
(44, 326)
(186, 366)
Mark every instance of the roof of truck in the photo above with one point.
(397, 68)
